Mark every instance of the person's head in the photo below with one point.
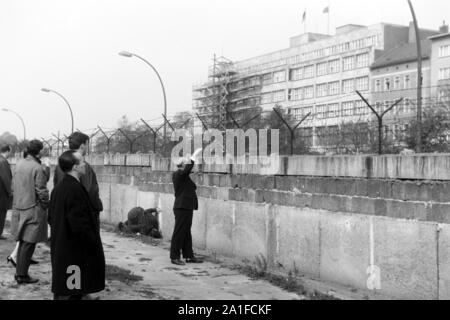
(79, 141)
(5, 150)
(182, 162)
(35, 148)
(72, 162)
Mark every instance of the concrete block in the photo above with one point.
(273, 197)
(222, 194)
(343, 186)
(198, 229)
(263, 182)
(374, 188)
(406, 210)
(285, 183)
(123, 199)
(219, 226)
(249, 230)
(301, 200)
(399, 190)
(386, 189)
(361, 188)
(440, 192)
(417, 192)
(105, 196)
(298, 240)
(360, 205)
(408, 268)
(333, 203)
(146, 200)
(167, 218)
(437, 212)
(444, 262)
(203, 192)
(215, 181)
(238, 194)
(344, 248)
(224, 181)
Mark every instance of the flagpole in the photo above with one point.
(304, 22)
(328, 14)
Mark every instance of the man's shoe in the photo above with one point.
(194, 260)
(26, 280)
(11, 260)
(178, 262)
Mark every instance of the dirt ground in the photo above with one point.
(142, 271)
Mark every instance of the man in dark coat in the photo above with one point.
(78, 260)
(5, 186)
(186, 202)
(80, 142)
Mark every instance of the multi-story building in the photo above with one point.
(394, 77)
(318, 73)
(440, 65)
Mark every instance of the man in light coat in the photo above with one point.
(31, 198)
(5, 186)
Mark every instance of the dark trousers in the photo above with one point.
(2, 218)
(182, 238)
(24, 255)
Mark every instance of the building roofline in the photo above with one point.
(396, 63)
(439, 36)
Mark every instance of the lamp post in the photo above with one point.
(129, 55)
(65, 100)
(23, 123)
(419, 80)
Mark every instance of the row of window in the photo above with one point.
(322, 90)
(444, 73)
(330, 67)
(332, 110)
(444, 51)
(350, 108)
(396, 83)
(405, 106)
(336, 49)
(316, 54)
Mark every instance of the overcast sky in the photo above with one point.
(72, 47)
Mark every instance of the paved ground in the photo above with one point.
(138, 270)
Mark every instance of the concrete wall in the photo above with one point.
(403, 167)
(388, 235)
(398, 167)
(332, 229)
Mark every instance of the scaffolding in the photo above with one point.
(226, 92)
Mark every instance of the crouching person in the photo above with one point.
(78, 260)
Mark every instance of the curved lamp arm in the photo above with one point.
(65, 100)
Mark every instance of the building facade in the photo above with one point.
(394, 77)
(440, 65)
(317, 74)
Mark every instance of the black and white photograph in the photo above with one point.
(225, 156)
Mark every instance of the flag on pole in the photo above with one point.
(326, 10)
(304, 17)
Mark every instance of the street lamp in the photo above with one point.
(23, 123)
(127, 54)
(65, 100)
